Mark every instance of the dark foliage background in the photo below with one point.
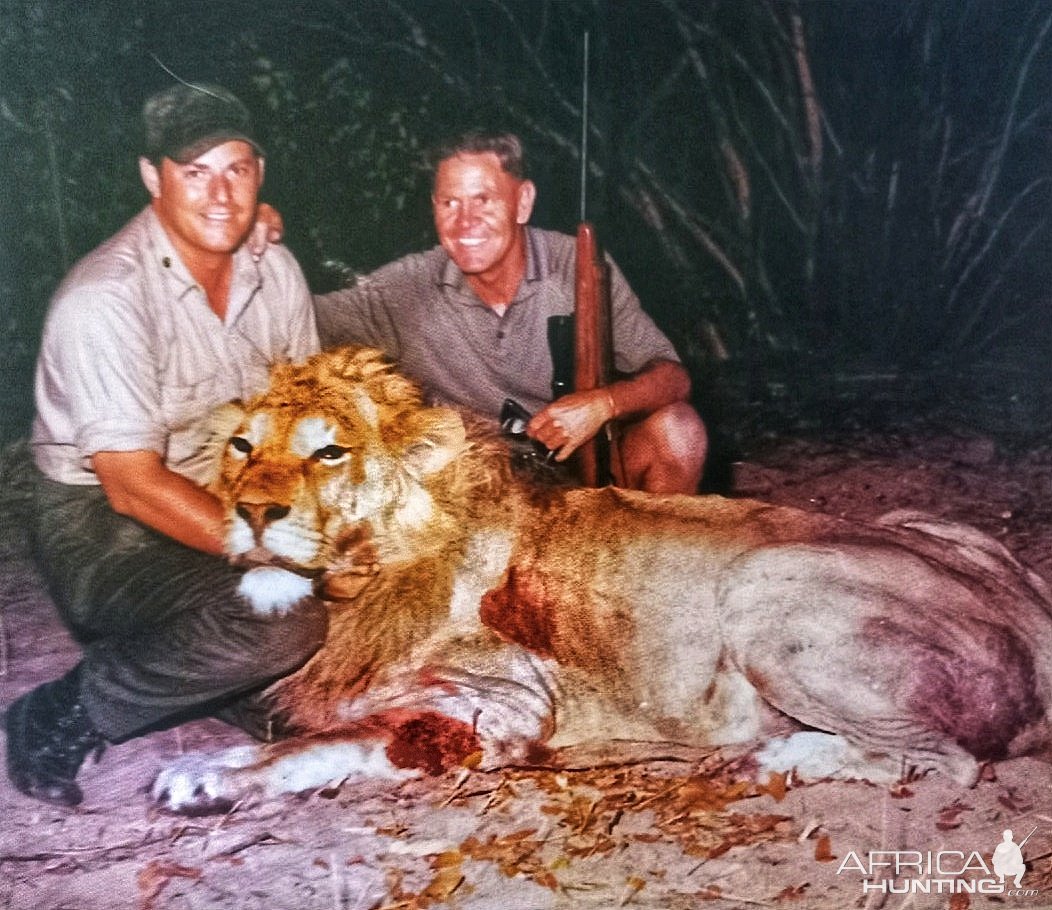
(838, 210)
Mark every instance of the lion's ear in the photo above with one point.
(437, 437)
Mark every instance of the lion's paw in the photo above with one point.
(201, 783)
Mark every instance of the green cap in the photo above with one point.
(185, 121)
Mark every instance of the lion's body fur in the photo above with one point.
(547, 618)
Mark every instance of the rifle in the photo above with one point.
(593, 351)
(582, 352)
(1025, 839)
(593, 340)
(581, 346)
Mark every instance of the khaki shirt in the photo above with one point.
(421, 311)
(133, 358)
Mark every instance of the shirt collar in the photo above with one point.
(536, 256)
(163, 254)
(536, 268)
(244, 282)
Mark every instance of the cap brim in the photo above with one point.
(188, 153)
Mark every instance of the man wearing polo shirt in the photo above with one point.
(166, 320)
(468, 319)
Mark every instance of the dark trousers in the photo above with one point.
(165, 634)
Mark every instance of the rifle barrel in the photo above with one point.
(584, 132)
(593, 346)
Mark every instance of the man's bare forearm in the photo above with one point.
(137, 484)
(658, 384)
(571, 420)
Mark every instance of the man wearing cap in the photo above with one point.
(169, 318)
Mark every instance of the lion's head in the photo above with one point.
(337, 447)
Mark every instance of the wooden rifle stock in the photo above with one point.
(593, 350)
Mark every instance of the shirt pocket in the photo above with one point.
(187, 397)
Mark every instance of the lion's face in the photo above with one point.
(332, 446)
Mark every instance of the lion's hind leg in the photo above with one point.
(883, 648)
(813, 755)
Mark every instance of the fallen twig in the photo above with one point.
(264, 839)
(92, 852)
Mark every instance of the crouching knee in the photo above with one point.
(284, 641)
(665, 451)
(298, 634)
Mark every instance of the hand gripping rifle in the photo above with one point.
(582, 345)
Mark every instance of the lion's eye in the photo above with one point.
(240, 444)
(330, 453)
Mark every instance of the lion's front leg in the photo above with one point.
(479, 703)
(502, 693)
(512, 721)
(202, 783)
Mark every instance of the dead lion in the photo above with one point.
(486, 619)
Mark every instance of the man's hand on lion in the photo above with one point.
(571, 421)
(344, 585)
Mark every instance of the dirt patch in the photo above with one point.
(675, 834)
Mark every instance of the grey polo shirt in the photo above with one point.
(133, 358)
(422, 312)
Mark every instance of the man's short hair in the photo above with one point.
(506, 146)
(185, 121)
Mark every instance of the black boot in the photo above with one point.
(49, 734)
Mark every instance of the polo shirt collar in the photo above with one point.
(536, 268)
(536, 256)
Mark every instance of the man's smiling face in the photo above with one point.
(479, 209)
(207, 205)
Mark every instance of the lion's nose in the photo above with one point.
(260, 514)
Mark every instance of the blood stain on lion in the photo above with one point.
(982, 704)
(521, 610)
(553, 618)
(427, 740)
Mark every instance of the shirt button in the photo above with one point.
(501, 334)
(166, 262)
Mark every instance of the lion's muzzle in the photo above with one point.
(258, 515)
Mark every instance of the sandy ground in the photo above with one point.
(661, 835)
